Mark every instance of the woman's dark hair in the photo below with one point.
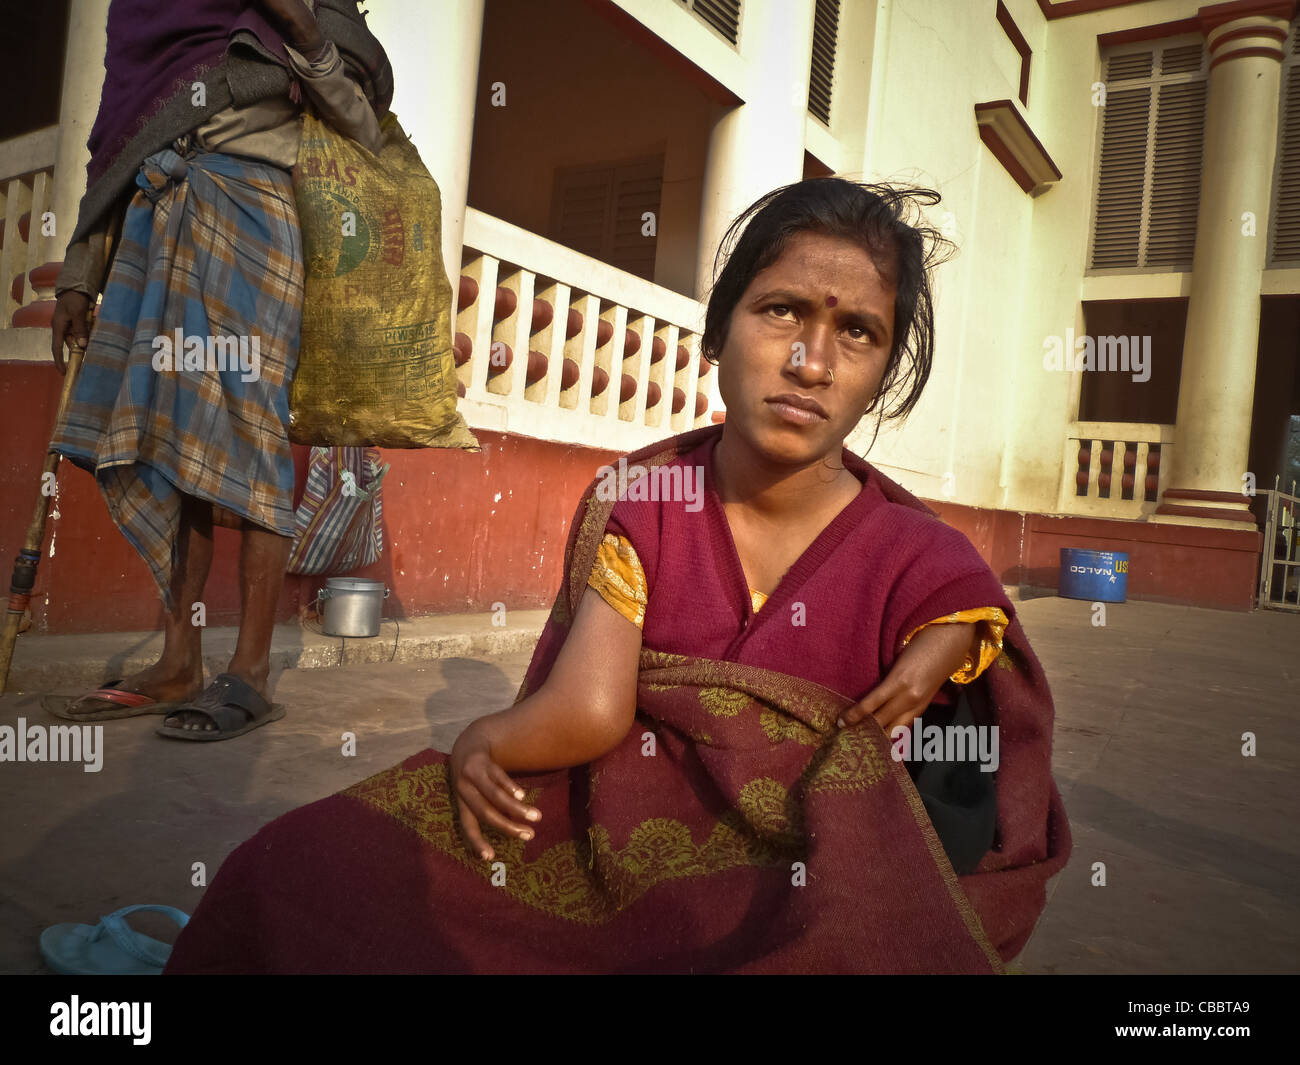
(875, 217)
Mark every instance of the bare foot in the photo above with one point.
(162, 681)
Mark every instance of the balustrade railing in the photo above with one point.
(26, 189)
(554, 344)
(1113, 469)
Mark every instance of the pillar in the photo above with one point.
(758, 145)
(1217, 386)
(83, 79)
(434, 49)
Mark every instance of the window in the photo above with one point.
(822, 75)
(1150, 333)
(722, 15)
(600, 211)
(1149, 171)
(1284, 247)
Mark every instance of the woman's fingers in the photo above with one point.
(513, 794)
(485, 795)
(488, 800)
(894, 710)
(864, 706)
(901, 718)
(469, 826)
(892, 703)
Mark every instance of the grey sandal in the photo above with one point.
(231, 704)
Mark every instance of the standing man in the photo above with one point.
(181, 407)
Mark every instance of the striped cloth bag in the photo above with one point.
(338, 524)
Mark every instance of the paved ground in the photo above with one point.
(1198, 842)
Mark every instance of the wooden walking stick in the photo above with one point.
(29, 555)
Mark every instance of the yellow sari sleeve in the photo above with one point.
(618, 577)
(991, 623)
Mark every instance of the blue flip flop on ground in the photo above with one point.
(111, 947)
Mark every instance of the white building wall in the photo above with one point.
(991, 416)
(908, 74)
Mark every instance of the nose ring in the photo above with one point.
(830, 371)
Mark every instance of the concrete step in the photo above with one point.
(44, 663)
(77, 662)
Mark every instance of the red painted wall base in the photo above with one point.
(1182, 564)
(463, 531)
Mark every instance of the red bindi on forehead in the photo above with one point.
(831, 301)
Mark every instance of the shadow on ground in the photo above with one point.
(78, 845)
(1196, 842)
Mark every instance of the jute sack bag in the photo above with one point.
(375, 365)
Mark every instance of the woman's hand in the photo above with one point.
(70, 325)
(582, 710)
(932, 656)
(485, 793)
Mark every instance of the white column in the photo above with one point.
(1217, 384)
(434, 49)
(758, 146)
(83, 79)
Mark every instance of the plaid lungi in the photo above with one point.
(208, 270)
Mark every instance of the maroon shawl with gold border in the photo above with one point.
(734, 829)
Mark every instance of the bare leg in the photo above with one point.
(178, 674)
(263, 556)
(262, 559)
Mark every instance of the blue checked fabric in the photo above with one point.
(210, 244)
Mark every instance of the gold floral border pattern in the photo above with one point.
(857, 757)
(590, 881)
(812, 705)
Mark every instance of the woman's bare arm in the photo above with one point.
(587, 703)
(583, 709)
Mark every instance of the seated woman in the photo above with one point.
(698, 773)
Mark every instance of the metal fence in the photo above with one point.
(1279, 571)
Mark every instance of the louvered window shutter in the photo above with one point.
(722, 15)
(1149, 171)
(581, 210)
(638, 188)
(1284, 248)
(600, 211)
(1118, 220)
(822, 75)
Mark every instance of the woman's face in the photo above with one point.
(806, 350)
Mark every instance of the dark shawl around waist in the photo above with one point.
(157, 49)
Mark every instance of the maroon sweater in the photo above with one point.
(877, 572)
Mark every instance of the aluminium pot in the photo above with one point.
(351, 606)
